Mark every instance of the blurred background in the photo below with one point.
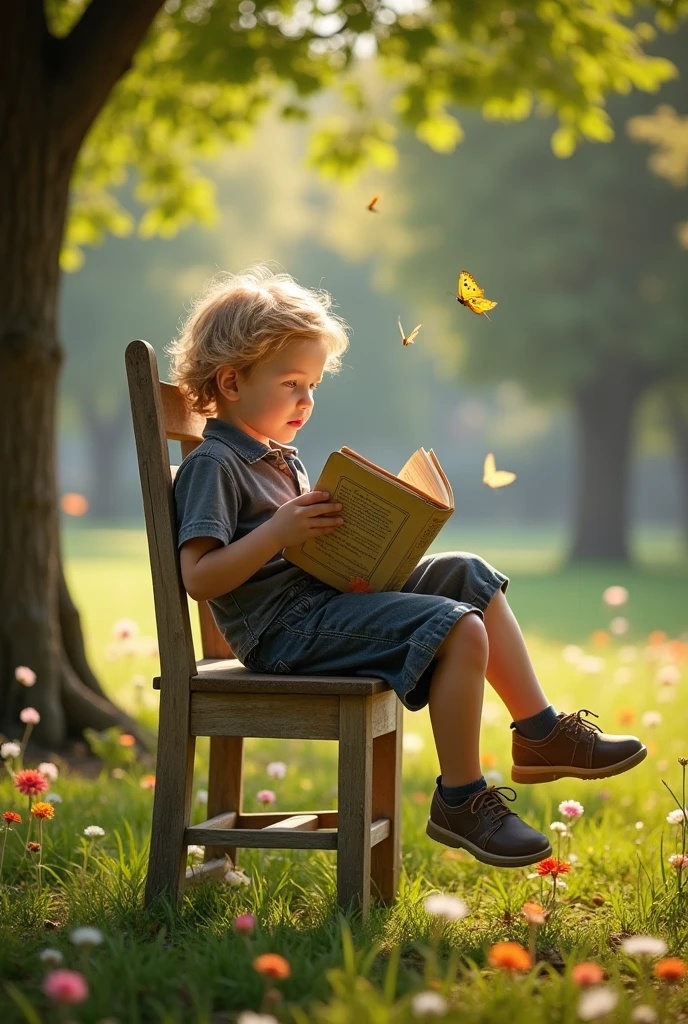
(574, 383)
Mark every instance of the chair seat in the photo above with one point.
(228, 675)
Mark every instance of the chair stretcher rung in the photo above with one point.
(274, 837)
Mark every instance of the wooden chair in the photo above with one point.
(220, 698)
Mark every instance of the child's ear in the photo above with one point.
(226, 383)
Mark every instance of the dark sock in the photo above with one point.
(455, 795)
(537, 726)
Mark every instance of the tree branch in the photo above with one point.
(91, 60)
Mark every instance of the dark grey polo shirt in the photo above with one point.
(225, 488)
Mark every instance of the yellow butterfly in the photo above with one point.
(414, 332)
(469, 293)
(494, 477)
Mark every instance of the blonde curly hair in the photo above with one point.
(241, 319)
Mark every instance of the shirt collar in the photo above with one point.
(249, 448)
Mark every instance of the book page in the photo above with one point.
(429, 492)
(420, 471)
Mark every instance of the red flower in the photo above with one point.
(31, 782)
(33, 847)
(357, 585)
(552, 866)
(12, 816)
(272, 965)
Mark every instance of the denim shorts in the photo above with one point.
(393, 636)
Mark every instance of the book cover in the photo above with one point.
(388, 525)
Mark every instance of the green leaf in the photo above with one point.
(441, 132)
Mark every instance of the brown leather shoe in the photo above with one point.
(485, 826)
(574, 749)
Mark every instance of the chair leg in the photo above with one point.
(386, 803)
(355, 775)
(171, 808)
(225, 785)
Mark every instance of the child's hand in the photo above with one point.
(305, 517)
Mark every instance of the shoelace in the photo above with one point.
(574, 724)
(491, 799)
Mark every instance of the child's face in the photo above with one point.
(278, 398)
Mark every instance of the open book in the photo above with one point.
(389, 521)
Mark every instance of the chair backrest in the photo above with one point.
(160, 413)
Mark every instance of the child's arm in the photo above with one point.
(210, 568)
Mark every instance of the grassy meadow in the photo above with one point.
(405, 963)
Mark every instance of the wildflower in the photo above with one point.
(51, 957)
(272, 965)
(124, 628)
(12, 817)
(644, 1014)
(33, 847)
(656, 638)
(644, 945)
(671, 969)
(50, 770)
(147, 782)
(668, 675)
(276, 769)
(24, 675)
(127, 740)
(597, 1002)
(64, 986)
(266, 796)
(615, 596)
(677, 817)
(651, 719)
(587, 973)
(510, 956)
(493, 778)
(30, 782)
(202, 796)
(424, 1004)
(552, 866)
(451, 908)
(618, 626)
(86, 936)
(94, 831)
(249, 1017)
(571, 808)
(534, 913)
(625, 716)
(600, 638)
(195, 852)
(10, 750)
(53, 798)
(640, 825)
(29, 716)
(559, 826)
(244, 923)
(412, 743)
(43, 810)
(679, 861)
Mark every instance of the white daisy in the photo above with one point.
(597, 1002)
(87, 936)
(451, 908)
(426, 1003)
(644, 945)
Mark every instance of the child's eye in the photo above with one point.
(314, 386)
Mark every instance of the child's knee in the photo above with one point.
(467, 639)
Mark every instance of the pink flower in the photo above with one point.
(266, 796)
(245, 923)
(615, 596)
(24, 675)
(125, 628)
(571, 808)
(29, 716)
(679, 861)
(63, 986)
(276, 769)
(29, 782)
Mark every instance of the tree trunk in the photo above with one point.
(677, 416)
(38, 623)
(604, 413)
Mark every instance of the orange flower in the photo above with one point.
(510, 956)
(534, 913)
(671, 969)
(552, 866)
(488, 760)
(357, 585)
(43, 810)
(600, 638)
(625, 716)
(127, 740)
(30, 782)
(272, 965)
(656, 638)
(33, 847)
(147, 782)
(587, 973)
(12, 817)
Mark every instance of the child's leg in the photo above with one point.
(456, 700)
(509, 669)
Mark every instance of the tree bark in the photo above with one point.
(46, 106)
(604, 410)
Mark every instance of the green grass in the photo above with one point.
(191, 966)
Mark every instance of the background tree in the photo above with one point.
(91, 90)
